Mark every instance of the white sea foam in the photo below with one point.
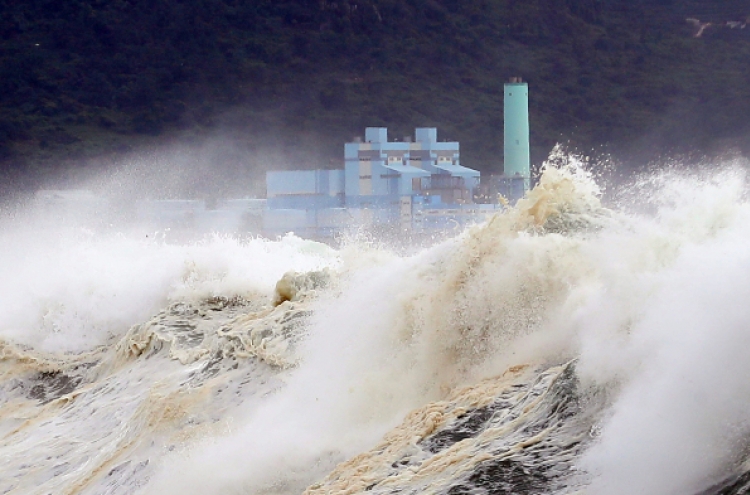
(651, 302)
(397, 335)
(68, 289)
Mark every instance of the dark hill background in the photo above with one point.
(248, 85)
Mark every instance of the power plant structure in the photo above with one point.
(411, 186)
(415, 186)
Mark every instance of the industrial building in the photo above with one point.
(377, 170)
(411, 186)
(415, 186)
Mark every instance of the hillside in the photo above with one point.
(87, 79)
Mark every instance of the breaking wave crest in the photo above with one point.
(559, 347)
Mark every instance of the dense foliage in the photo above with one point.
(87, 78)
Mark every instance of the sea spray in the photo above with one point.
(69, 290)
(669, 331)
(559, 347)
(400, 334)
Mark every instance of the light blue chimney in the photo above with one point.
(516, 113)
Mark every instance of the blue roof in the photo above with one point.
(457, 169)
(407, 170)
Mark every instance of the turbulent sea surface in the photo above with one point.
(560, 347)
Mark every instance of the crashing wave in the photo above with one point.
(558, 348)
(164, 382)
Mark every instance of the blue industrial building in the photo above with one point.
(414, 186)
(310, 203)
(378, 170)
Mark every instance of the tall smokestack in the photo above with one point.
(516, 113)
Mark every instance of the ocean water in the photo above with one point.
(563, 346)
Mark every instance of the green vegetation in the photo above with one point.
(83, 79)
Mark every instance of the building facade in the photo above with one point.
(379, 170)
(414, 185)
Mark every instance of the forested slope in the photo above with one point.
(89, 78)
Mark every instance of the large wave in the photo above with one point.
(561, 346)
